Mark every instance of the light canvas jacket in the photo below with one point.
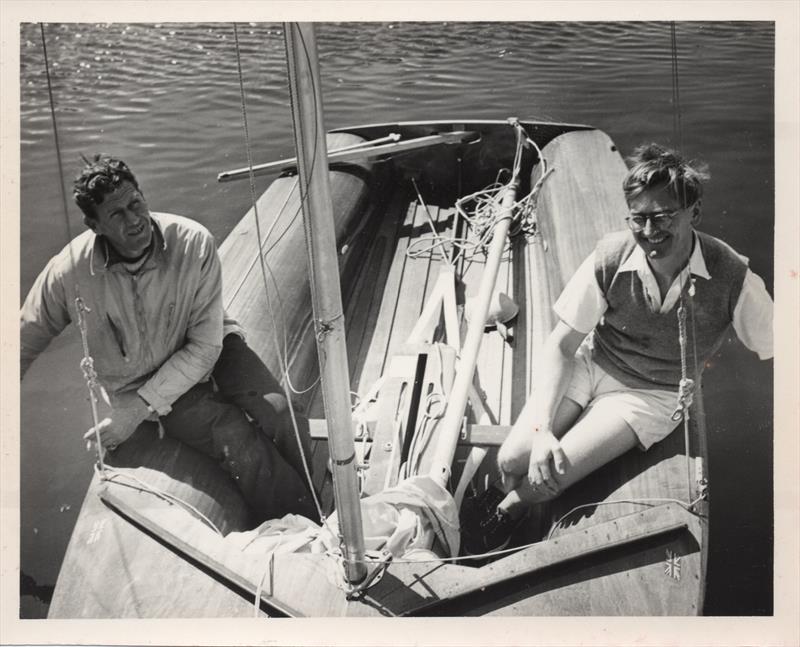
(157, 332)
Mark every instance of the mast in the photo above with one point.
(315, 193)
(450, 427)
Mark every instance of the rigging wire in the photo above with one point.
(648, 501)
(87, 363)
(263, 265)
(677, 126)
(688, 387)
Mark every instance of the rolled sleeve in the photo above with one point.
(582, 304)
(194, 361)
(752, 316)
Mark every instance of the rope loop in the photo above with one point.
(326, 326)
(685, 397)
(483, 210)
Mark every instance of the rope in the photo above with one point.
(270, 568)
(505, 551)
(87, 363)
(439, 240)
(90, 376)
(482, 209)
(643, 501)
(161, 494)
(687, 386)
(677, 127)
(283, 362)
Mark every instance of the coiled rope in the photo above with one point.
(482, 211)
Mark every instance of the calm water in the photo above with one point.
(165, 97)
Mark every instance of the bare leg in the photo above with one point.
(598, 437)
(515, 451)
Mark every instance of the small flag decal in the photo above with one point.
(672, 567)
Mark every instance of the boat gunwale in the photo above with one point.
(458, 122)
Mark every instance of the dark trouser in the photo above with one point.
(243, 379)
(216, 424)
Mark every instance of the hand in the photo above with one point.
(544, 450)
(120, 426)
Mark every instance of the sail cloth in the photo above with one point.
(405, 520)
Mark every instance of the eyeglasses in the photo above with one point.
(660, 220)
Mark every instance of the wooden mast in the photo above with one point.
(315, 192)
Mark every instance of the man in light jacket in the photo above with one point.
(148, 287)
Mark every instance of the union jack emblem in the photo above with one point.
(672, 567)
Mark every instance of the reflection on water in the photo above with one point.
(165, 97)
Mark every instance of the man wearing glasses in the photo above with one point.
(613, 363)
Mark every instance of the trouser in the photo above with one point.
(243, 379)
(217, 426)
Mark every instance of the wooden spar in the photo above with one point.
(366, 150)
(457, 400)
(260, 169)
(309, 130)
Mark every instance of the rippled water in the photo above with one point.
(166, 98)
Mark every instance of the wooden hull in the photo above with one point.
(631, 547)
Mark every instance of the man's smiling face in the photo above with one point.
(124, 219)
(665, 243)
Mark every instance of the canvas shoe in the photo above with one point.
(484, 526)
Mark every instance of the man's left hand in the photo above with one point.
(125, 418)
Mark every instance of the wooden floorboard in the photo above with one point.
(375, 357)
(364, 304)
(413, 283)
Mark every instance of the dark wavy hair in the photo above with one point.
(652, 165)
(100, 176)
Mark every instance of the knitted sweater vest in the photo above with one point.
(641, 348)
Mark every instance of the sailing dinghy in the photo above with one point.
(428, 230)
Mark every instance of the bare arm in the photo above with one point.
(539, 415)
(555, 373)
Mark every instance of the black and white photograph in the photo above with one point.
(332, 312)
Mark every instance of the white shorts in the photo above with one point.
(647, 411)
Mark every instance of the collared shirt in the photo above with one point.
(156, 331)
(582, 303)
